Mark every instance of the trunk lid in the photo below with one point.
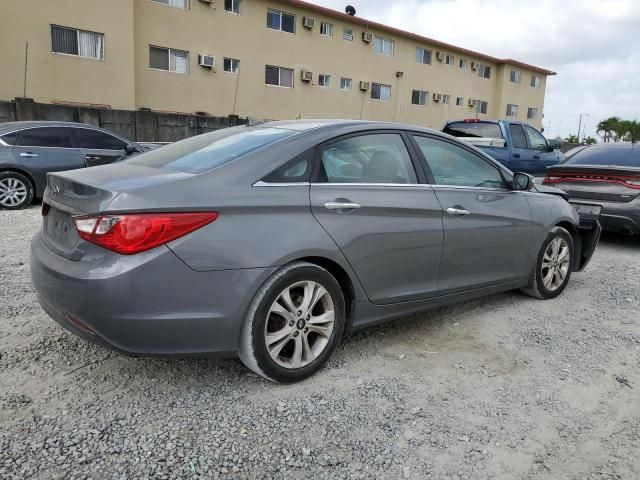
(587, 182)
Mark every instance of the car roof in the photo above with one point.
(330, 124)
(11, 126)
(613, 146)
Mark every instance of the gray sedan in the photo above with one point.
(271, 241)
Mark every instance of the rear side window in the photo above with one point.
(517, 136)
(376, 158)
(621, 156)
(473, 129)
(45, 137)
(210, 150)
(95, 139)
(10, 138)
(296, 170)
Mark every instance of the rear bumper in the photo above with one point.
(149, 304)
(620, 217)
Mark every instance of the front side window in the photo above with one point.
(77, 42)
(517, 136)
(324, 80)
(347, 34)
(326, 29)
(515, 76)
(231, 65)
(512, 110)
(423, 56)
(345, 84)
(45, 137)
(174, 3)
(232, 6)
(279, 76)
(376, 158)
(420, 97)
(381, 92)
(454, 165)
(96, 140)
(383, 46)
(277, 20)
(536, 140)
(536, 81)
(532, 113)
(169, 59)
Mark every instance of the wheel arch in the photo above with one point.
(577, 242)
(34, 185)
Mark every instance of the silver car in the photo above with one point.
(271, 241)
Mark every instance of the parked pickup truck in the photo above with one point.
(518, 146)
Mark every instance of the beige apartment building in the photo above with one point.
(276, 59)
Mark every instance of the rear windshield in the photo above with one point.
(481, 129)
(621, 156)
(210, 150)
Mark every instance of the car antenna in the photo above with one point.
(253, 121)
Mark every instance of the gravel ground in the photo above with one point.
(505, 387)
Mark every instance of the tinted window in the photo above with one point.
(208, 151)
(517, 136)
(470, 129)
(94, 139)
(296, 170)
(536, 140)
(622, 156)
(454, 165)
(45, 137)
(377, 158)
(10, 138)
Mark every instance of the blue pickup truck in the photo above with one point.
(518, 146)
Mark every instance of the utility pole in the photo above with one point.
(26, 64)
(580, 125)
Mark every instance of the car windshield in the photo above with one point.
(473, 129)
(620, 156)
(210, 150)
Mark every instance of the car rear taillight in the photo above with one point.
(128, 234)
(624, 180)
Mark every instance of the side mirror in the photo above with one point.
(553, 145)
(130, 149)
(522, 181)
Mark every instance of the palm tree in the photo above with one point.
(622, 130)
(589, 141)
(633, 133)
(608, 127)
(571, 139)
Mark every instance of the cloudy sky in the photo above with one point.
(594, 45)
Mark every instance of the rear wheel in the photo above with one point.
(16, 191)
(293, 324)
(553, 265)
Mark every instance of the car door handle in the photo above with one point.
(458, 212)
(28, 154)
(516, 155)
(93, 157)
(536, 157)
(341, 206)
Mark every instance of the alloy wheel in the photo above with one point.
(13, 192)
(555, 264)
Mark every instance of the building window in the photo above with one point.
(381, 92)
(420, 97)
(326, 29)
(449, 60)
(383, 46)
(231, 65)
(482, 107)
(232, 6)
(423, 55)
(347, 34)
(484, 71)
(277, 20)
(345, 84)
(463, 63)
(459, 101)
(446, 99)
(77, 42)
(174, 3)
(324, 80)
(169, 59)
(532, 113)
(536, 81)
(512, 110)
(279, 76)
(515, 76)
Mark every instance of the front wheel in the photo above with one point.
(293, 324)
(553, 265)
(16, 191)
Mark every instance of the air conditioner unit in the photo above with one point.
(472, 102)
(208, 2)
(206, 61)
(306, 75)
(309, 22)
(367, 37)
(437, 97)
(440, 56)
(475, 65)
(365, 86)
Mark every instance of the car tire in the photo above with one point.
(282, 339)
(553, 267)
(16, 191)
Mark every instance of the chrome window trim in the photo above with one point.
(60, 126)
(3, 143)
(462, 187)
(261, 183)
(338, 184)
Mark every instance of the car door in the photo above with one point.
(540, 154)
(368, 196)
(487, 227)
(99, 148)
(521, 154)
(46, 149)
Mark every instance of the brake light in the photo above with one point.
(128, 234)
(624, 180)
(471, 120)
